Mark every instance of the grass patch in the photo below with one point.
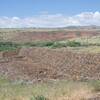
(74, 45)
(96, 85)
(7, 46)
(39, 44)
(53, 44)
(89, 49)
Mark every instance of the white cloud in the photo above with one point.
(51, 20)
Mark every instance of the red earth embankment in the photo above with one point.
(47, 36)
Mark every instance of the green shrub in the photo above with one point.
(66, 44)
(8, 46)
(59, 45)
(47, 44)
(40, 97)
(32, 98)
(40, 44)
(52, 44)
(73, 44)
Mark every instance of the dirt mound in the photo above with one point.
(42, 63)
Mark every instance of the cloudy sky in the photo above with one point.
(49, 13)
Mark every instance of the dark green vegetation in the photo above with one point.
(39, 97)
(8, 46)
(52, 44)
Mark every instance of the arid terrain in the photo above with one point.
(33, 56)
(43, 63)
(30, 35)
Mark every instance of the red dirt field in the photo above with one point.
(52, 35)
(38, 64)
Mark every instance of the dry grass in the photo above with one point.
(53, 90)
(73, 91)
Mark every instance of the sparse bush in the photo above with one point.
(43, 44)
(32, 98)
(66, 44)
(52, 44)
(59, 45)
(40, 44)
(40, 97)
(73, 44)
(8, 46)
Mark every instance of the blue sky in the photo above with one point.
(47, 13)
(23, 8)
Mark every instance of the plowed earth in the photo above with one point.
(38, 64)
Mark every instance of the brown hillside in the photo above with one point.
(52, 35)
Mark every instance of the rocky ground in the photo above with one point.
(37, 64)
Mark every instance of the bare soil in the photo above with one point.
(53, 35)
(38, 64)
